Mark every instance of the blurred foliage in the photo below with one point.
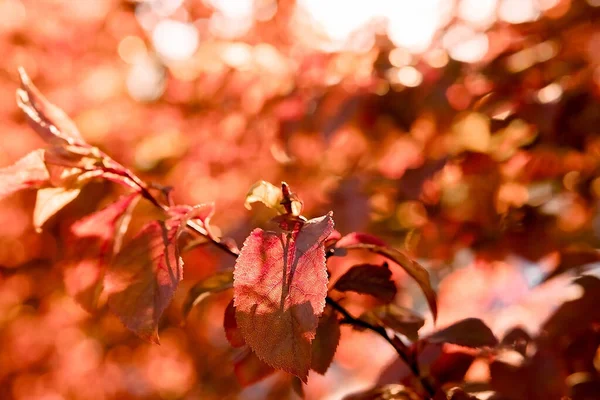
(464, 132)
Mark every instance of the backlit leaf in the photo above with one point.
(49, 121)
(386, 392)
(143, 277)
(215, 283)
(266, 193)
(51, 200)
(30, 171)
(414, 269)
(280, 285)
(232, 331)
(470, 332)
(368, 279)
(88, 247)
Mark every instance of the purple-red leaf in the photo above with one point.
(49, 121)
(326, 342)
(232, 332)
(280, 285)
(89, 244)
(369, 279)
(30, 171)
(414, 269)
(215, 283)
(144, 276)
(470, 332)
(397, 318)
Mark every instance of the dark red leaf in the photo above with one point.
(215, 283)
(470, 332)
(49, 121)
(387, 392)
(415, 270)
(88, 247)
(369, 279)
(326, 342)
(144, 276)
(280, 285)
(397, 318)
(28, 172)
(249, 369)
(232, 332)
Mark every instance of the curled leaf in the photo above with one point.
(280, 285)
(49, 121)
(30, 171)
(412, 268)
(470, 332)
(368, 279)
(266, 193)
(215, 283)
(144, 276)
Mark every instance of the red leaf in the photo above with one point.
(144, 276)
(280, 285)
(30, 171)
(232, 332)
(414, 269)
(369, 279)
(218, 282)
(249, 369)
(49, 121)
(88, 247)
(326, 342)
(470, 332)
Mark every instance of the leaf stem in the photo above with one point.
(394, 340)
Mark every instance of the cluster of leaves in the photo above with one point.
(477, 168)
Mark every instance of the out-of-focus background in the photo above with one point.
(464, 132)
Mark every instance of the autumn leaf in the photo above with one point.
(280, 285)
(326, 342)
(232, 332)
(574, 259)
(385, 392)
(470, 332)
(144, 276)
(215, 283)
(88, 247)
(49, 201)
(368, 279)
(28, 172)
(49, 121)
(414, 269)
(397, 318)
(273, 197)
